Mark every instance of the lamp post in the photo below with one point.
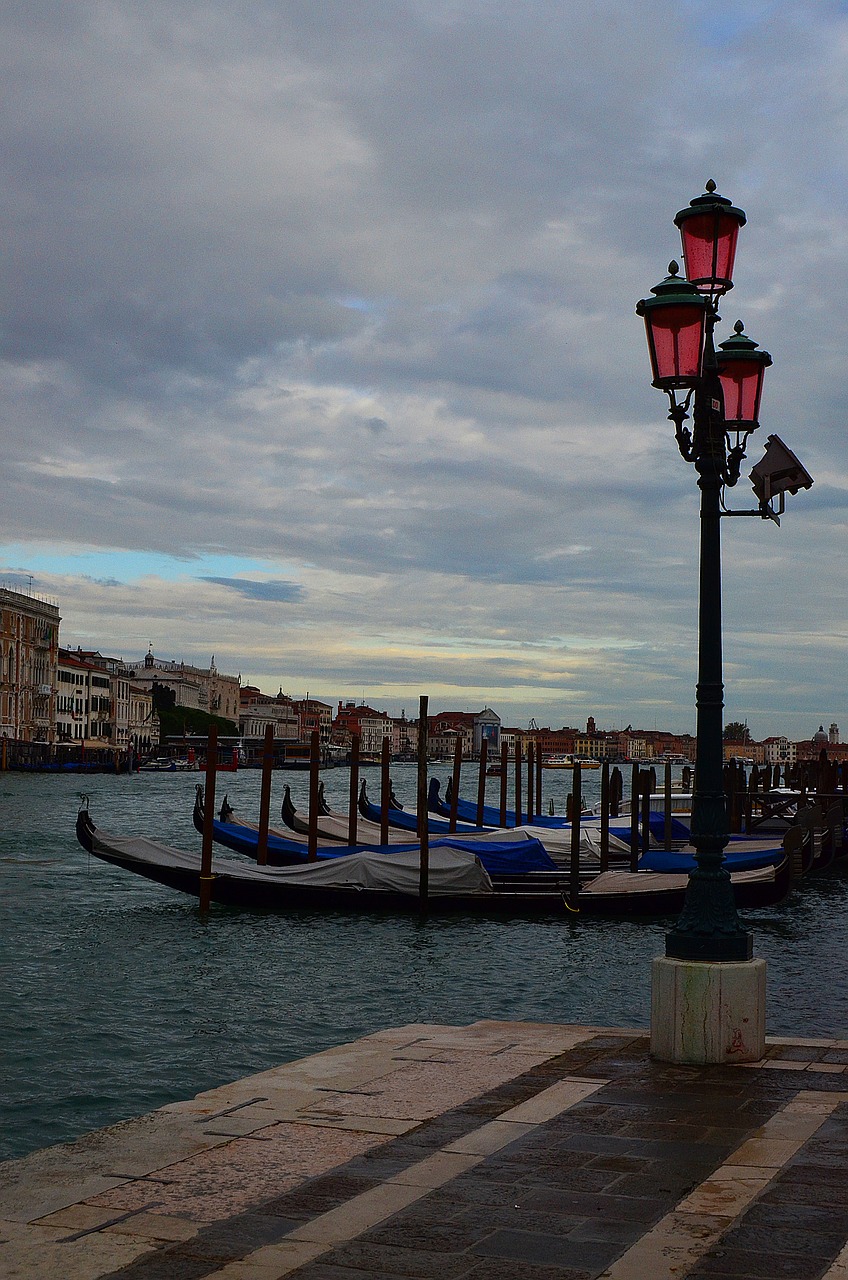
(718, 390)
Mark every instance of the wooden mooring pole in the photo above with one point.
(667, 807)
(648, 785)
(531, 779)
(455, 778)
(481, 780)
(385, 790)
(517, 783)
(504, 781)
(353, 801)
(314, 765)
(208, 819)
(538, 779)
(634, 818)
(265, 797)
(423, 823)
(605, 815)
(576, 808)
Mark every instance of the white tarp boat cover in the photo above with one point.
(451, 871)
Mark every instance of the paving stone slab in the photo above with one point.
(500, 1149)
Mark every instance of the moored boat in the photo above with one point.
(373, 880)
(364, 881)
(504, 855)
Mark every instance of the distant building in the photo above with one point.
(371, 726)
(404, 736)
(258, 710)
(29, 651)
(313, 715)
(472, 727)
(487, 725)
(780, 751)
(596, 746)
(132, 719)
(199, 688)
(84, 707)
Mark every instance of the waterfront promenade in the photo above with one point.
(497, 1151)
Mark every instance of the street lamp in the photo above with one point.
(722, 389)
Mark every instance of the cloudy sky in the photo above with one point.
(319, 349)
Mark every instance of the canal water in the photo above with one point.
(116, 997)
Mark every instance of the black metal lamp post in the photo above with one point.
(723, 389)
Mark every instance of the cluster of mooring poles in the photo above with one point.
(206, 873)
(643, 790)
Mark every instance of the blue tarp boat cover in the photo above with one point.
(498, 857)
(735, 859)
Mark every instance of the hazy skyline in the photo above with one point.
(319, 349)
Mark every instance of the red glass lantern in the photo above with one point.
(674, 324)
(740, 369)
(709, 229)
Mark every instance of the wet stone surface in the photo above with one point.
(635, 1169)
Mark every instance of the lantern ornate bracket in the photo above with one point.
(678, 414)
(728, 451)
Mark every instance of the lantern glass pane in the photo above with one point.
(675, 341)
(742, 383)
(709, 250)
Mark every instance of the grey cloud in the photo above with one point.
(351, 287)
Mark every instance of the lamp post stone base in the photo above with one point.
(708, 1013)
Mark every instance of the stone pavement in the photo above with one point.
(499, 1151)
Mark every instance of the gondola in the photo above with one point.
(363, 881)
(743, 853)
(556, 840)
(504, 855)
(657, 888)
(335, 827)
(369, 881)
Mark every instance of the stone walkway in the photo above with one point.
(499, 1151)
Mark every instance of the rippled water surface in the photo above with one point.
(117, 997)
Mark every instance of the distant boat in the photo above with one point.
(568, 762)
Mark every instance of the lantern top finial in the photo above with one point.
(740, 346)
(710, 202)
(673, 288)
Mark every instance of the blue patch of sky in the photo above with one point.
(351, 303)
(275, 589)
(126, 566)
(719, 25)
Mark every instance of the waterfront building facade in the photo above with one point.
(259, 710)
(84, 708)
(372, 726)
(143, 725)
(199, 688)
(29, 652)
(404, 736)
(313, 715)
(779, 750)
(487, 725)
(101, 704)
